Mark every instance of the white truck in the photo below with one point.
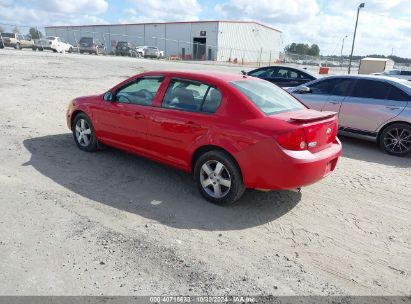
(52, 43)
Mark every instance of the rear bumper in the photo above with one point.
(269, 166)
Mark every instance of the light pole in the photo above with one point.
(353, 38)
(342, 47)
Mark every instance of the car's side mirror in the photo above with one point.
(303, 90)
(108, 96)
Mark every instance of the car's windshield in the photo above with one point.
(8, 35)
(269, 98)
(50, 38)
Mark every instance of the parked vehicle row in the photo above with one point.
(88, 45)
(51, 43)
(16, 40)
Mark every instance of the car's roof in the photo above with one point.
(287, 67)
(404, 84)
(221, 76)
(371, 77)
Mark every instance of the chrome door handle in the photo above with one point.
(334, 102)
(138, 115)
(393, 107)
(192, 124)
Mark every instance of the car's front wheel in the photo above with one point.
(396, 139)
(83, 133)
(17, 46)
(218, 177)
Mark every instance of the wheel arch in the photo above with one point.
(73, 116)
(207, 148)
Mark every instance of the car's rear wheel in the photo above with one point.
(34, 48)
(17, 46)
(70, 50)
(83, 133)
(396, 139)
(218, 177)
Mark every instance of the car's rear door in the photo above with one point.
(123, 121)
(185, 116)
(370, 104)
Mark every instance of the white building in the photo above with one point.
(201, 40)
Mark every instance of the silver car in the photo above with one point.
(376, 108)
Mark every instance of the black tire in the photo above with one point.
(54, 51)
(81, 52)
(92, 144)
(41, 49)
(34, 48)
(17, 46)
(396, 139)
(232, 172)
(70, 50)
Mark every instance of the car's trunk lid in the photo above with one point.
(313, 130)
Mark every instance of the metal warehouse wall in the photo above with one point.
(250, 42)
(171, 38)
(209, 40)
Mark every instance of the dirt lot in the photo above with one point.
(115, 224)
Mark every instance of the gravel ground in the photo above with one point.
(75, 223)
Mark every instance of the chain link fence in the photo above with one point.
(180, 50)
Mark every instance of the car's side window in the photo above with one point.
(322, 87)
(264, 73)
(141, 92)
(191, 96)
(365, 88)
(212, 101)
(396, 94)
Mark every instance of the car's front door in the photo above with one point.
(185, 116)
(123, 120)
(370, 104)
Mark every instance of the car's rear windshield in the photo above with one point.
(269, 98)
(8, 35)
(86, 40)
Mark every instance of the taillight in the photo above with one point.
(292, 140)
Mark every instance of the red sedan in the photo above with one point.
(230, 131)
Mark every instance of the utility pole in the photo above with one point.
(353, 38)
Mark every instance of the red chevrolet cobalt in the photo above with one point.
(230, 131)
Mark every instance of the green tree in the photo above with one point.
(314, 50)
(34, 33)
(303, 49)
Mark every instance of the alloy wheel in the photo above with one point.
(398, 140)
(215, 179)
(83, 132)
